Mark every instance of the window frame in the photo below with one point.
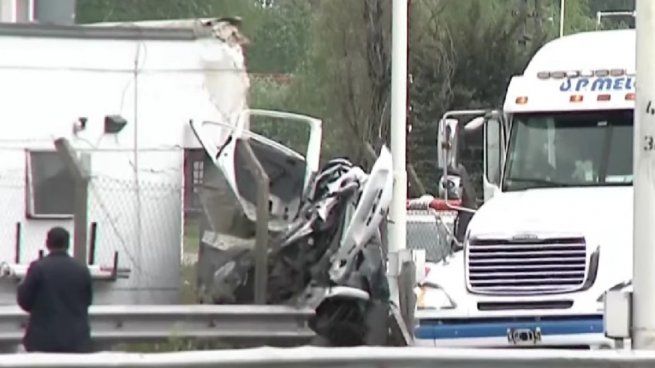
(30, 195)
(498, 180)
(511, 141)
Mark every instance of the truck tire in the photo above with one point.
(340, 322)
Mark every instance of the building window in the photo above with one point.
(197, 175)
(50, 192)
(193, 177)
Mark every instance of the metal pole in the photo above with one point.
(644, 192)
(18, 237)
(398, 210)
(81, 212)
(599, 16)
(561, 18)
(254, 166)
(398, 124)
(137, 181)
(80, 170)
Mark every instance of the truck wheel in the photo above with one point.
(340, 322)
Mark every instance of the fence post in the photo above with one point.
(261, 245)
(406, 281)
(402, 317)
(17, 244)
(79, 169)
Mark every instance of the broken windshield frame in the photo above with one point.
(569, 149)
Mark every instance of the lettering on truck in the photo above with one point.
(625, 83)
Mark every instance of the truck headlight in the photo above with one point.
(431, 296)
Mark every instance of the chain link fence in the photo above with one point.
(429, 229)
(136, 214)
(142, 223)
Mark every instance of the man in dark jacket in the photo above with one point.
(57, 294)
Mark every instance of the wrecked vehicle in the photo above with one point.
(324, 246)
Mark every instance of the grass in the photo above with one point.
(191, 244)
(173, 344)
(191, 240)
(188, 285)
(187, 296)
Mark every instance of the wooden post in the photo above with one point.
(92, 243)
(261, 246)
(79, 170)
(17, 244)
(406, 282)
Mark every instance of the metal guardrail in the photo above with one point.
(243, 324)
(345, 357)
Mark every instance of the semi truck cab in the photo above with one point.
(555, 229)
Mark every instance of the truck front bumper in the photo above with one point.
(538, 331)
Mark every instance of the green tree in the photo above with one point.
(92, 11)
(345, 77)
(280, 40)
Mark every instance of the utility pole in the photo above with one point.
(398, 210)
(561, 17)
(643, 312)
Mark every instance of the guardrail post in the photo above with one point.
(79, 169)
(17, 244)
(402, 317)
(261, 245)
(406, 282)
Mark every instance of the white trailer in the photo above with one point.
(555, 230)
(123, 94)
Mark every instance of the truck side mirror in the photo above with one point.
(452, 184)
(447, 143)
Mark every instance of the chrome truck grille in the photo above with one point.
(527, 266)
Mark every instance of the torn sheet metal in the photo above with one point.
(325, 248)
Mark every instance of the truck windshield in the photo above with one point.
(570, 149)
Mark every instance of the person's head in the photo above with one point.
(58, 239)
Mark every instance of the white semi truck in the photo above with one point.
(555, 229)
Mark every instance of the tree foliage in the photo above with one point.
(91, 11)
(280, 38)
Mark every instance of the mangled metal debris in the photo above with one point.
(324, 250)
